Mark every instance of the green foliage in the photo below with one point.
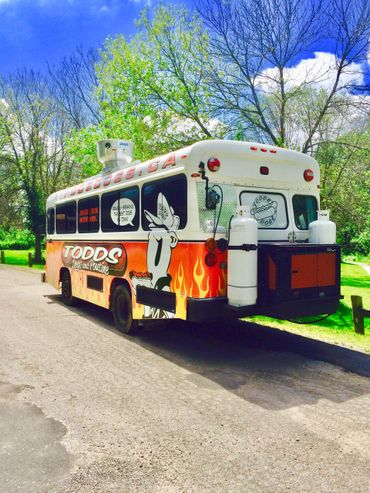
(345, 183)
(16, 239)
(361, 244)
(152, 89)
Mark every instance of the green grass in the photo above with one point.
(338, 328)
(20, 257)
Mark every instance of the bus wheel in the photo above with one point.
(67, 297)
(122, 310)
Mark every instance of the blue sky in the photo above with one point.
(33, 32)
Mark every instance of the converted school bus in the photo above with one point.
(155, 240)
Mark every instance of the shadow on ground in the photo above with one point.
(252, 361)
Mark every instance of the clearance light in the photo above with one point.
(273, 151)
(264, 170)
(210, 245)
(308, 175)
(263, 149)
(213, 164)
(211, 259)
(253, 148)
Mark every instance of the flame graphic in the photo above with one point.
(180, 290)
(221, 284)
(199, 278)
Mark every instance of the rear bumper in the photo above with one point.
(208, 309)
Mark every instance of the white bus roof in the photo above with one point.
(240, 163)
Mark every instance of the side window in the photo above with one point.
(304, 208)
(268, 209)
(66, 218)
(164, 204)
(88, 215)
(120, 210)
(50, 216)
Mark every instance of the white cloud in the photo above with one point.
(318, 72)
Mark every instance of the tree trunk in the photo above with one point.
(38, 255)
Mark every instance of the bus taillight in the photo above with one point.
(213, 164)
(308, 175)
(211, 259)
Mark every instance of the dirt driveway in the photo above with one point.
(181, 408)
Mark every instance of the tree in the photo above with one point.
(153, 89)
(256, 43)
(34, 129)
(73, 85)
(345, 184)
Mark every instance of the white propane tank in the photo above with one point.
(241, 260)
(322, 231)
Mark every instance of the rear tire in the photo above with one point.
(67, 296)
(122, 311)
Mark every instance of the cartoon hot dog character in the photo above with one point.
(264, 210)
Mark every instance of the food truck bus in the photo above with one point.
(219, 229)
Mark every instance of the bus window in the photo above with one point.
(66, 218)
(164, 204)
(207, 217)
(120, 210)
(88, 215)
(304, 208)
(268, 209)
(50, 219)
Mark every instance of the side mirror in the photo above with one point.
(212, 197)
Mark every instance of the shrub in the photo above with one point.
(16, 239)
(361, 244)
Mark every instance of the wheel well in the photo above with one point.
(61, 272)
(114, 284)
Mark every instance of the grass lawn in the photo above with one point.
(20, 257)
(338, 328)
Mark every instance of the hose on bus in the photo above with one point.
(310, 321)
(215, 222)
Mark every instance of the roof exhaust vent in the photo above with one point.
(115, 154)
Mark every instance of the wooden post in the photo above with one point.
(30, 260)
(2, 257)
(358, 315)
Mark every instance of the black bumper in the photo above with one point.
(210, 309)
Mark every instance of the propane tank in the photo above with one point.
(242, 259)
(322, 231)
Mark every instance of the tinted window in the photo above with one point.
(120, 210)
(66, 218)
(164, 204)
(88, 215)
(50, 221)
(305, 210)
(268, 209)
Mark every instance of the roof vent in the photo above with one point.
(114, 154)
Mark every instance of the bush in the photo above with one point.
(16, 239)
(361, 244)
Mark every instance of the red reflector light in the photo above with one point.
(211, 259)
(213, 164)
(253, 148)
(273, 151)
(263, 149)
(264, 170)
(195, 175)
(308, 175)
(210, 245)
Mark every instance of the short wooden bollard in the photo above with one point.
(30, 260)
(2, 257)
(359, 313)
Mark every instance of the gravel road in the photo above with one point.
(179, 408)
